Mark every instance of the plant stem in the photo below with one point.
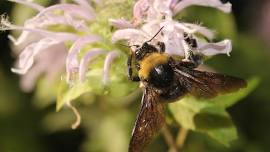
(169, 139)
(181, 138)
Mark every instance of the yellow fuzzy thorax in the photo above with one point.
(149, 62)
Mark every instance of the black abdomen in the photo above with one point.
(161, 76)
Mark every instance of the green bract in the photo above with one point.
(119, 85)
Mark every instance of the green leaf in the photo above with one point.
(210, 116)
(216, 123)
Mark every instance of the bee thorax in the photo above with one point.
(161, 76)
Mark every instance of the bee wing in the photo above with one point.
(149, 121)
(207, 84)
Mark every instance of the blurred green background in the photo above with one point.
(29, 123)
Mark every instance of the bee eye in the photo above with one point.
(145, 45)
(138, 54)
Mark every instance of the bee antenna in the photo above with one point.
(155, 34)
(129, 46)
(125, 45)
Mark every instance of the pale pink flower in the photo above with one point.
(151, 15)
(44, 52)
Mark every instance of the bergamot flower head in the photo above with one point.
(45, 50)
(151, 15)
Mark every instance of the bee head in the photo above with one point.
(146, 48)
(143, 50)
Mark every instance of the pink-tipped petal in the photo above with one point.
(176, 27)
(173, 3)
(79, 25)
(210, 49)
(26, 38)
(150, 28)
(132, 35)
(28, 3)
(140, 8)
(202, 30)
(60, 36)
(86, 59)
(52, 19)
(173, 43)
(209, 3)
(86, 4)
(72, 9)
(163, 7)
(121, 23)
(72, 61)
(56, 55)
(26, 58)
(107, 64)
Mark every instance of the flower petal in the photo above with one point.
(26, 58)
(60, 36)
(121, 23)
(150, 28)
(209, 3)
(173, 43)
(140, 8)
(72, 61)
(79, 25)
(134, 36)
(202, 30)
(210, 49)
(84, 3)
(32, 32)
(56, 55)
(51, 19)
(163, 7)
(108, 61)
(72, 9)
(26, 38)
(173, 3)
(171, 24)
(86, 59)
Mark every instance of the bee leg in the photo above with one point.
(184, 63)
(129, 64)
(161, 46)
(191, 42)
(196, 59)
(190, 48)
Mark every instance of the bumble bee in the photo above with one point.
(165, 79)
